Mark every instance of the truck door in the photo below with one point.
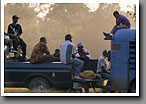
(119, 67)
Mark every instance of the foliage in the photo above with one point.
(63, 18)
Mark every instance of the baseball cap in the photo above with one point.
(15, 16)
(80, 44)
(68, 36)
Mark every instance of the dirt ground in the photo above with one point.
(25, 90)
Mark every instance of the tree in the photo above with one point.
(63, 18)
(28, 21)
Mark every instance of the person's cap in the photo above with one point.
(15, 16)
(80, 44)
(68, 36)
(57, 50)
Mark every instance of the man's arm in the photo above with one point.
(46, 50)
(102, 64)
(9, 32)
(20, 30)
(73, 56)
(118, 21)
(73, 51)
(103, 69)
(87, 53)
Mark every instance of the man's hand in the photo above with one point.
(73, 56)
(12, 35)
(103, 70)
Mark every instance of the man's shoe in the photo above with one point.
(13, 51)
(106, 34)
(108, 38)
(77, 77)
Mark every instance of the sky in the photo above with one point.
(93, 7)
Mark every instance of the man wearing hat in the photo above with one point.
(81, 52)
(15, 32)
(67, 55)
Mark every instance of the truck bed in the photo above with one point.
(18, 74)
(28, 65)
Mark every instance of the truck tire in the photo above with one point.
(39, 84)
(132, 87)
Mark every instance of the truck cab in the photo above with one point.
(123, 60)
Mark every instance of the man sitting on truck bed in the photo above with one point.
(102, 66)
(38, 52)
(81, 52)
(122, 22)
(67, 55)
(15, 31)
(56, 55)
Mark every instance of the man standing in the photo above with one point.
(122, 22)
(40, 52)
(67, 55)
(81, 52)
(15, 32)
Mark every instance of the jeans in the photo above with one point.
(115, 28)
(105, 75)
(77, 65)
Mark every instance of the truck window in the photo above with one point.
(115, 47)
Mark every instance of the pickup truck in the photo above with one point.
(41, 76)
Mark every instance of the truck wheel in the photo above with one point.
(39, 84)
(86, 90)
(132, 87)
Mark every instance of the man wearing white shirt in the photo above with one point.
(102, 66)
(81, 52)
(67, 55)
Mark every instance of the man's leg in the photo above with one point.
(23, 45)
(77, 65)
(7, 42)
(114, 29)
(15, 44)
(106, 76)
